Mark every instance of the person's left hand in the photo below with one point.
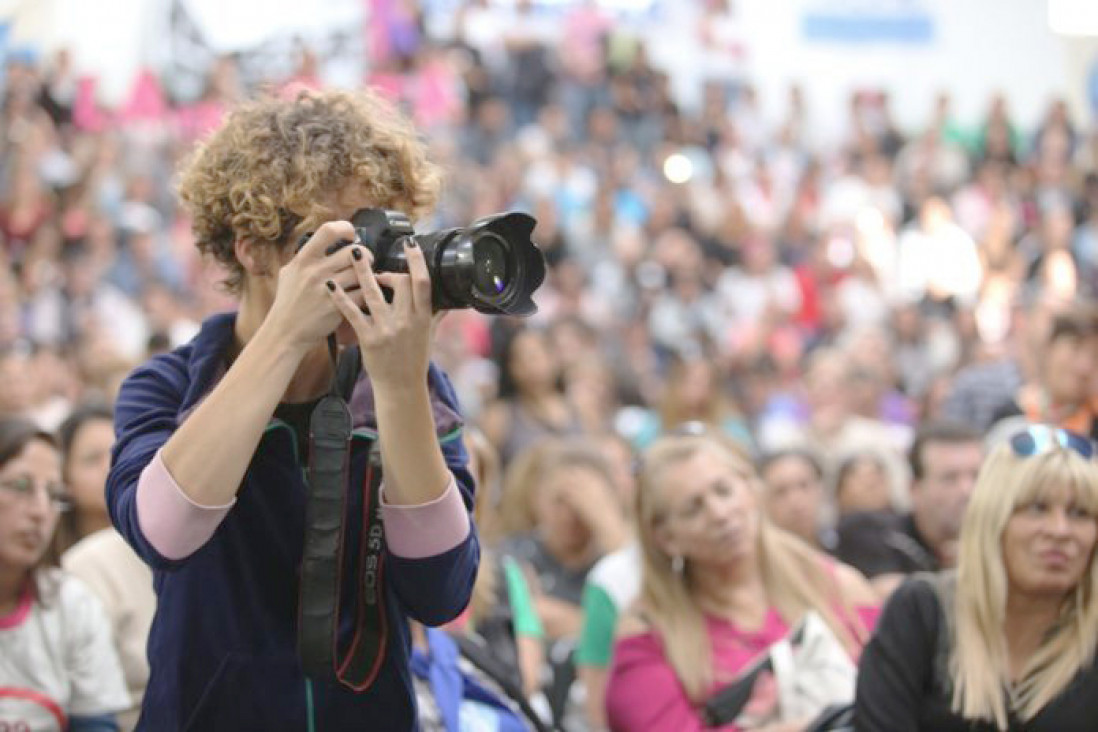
(395, 338)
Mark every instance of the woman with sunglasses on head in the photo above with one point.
(720, 585)
(58, 668)
(1007, 641)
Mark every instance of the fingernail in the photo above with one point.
(357, 254)
(411, 243)
(330, 285)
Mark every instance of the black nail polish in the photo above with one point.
(357, 254)
(330, 285)
(411, 243)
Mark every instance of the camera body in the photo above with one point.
(491, 265)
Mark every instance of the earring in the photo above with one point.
(678, 564)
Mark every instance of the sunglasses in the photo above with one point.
(1041, 438)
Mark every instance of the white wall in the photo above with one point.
(979, 47)
(112, 39)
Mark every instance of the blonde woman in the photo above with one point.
(1008, 641)
(693, 392)
(560, 516)
(720, 585)
(501, 609)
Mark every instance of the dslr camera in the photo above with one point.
(491, 265)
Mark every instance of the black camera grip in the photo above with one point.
(332, 248)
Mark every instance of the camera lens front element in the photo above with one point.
(493, 269)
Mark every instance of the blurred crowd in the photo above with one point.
(819, 303)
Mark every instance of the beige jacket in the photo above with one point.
(107, 565)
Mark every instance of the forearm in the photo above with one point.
(209, 453)
(594, 681)
(531, 659)
(561, 619)
(414, 467)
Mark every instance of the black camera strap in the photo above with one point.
(726, 704)
(325, 542)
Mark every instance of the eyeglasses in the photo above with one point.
(1041, 438)
(690, 428)
(25, 488)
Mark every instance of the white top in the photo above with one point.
(124, 584)
(922, 265)
(57, 659)
(619, 575)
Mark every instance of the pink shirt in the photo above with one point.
(644, 694)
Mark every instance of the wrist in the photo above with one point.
(399, 389)
(277, 344)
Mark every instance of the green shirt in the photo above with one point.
(525, 618)
(612, 586)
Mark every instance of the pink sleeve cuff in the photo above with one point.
(175, 525)
(428, 529)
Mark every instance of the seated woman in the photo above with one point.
(501, 610)
(561, 514)
(58, 668)
(1008, 641)
(793, 494)
(862, 484)
(694, 392)
(720, 585)
(101, 558)
(531, 405)
(487, 664)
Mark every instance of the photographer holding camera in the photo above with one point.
(280, 605)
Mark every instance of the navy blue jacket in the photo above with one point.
(222, 648)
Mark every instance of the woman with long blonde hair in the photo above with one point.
(720, 586)
(1008, 641)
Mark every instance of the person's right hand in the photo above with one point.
(303, 312)
(598, 508)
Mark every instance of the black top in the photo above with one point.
(297, 416)
(880, 542)
(554, 579)
(903, 684)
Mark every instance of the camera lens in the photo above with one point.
(492, 266)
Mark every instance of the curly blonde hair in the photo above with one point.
(270, 171)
